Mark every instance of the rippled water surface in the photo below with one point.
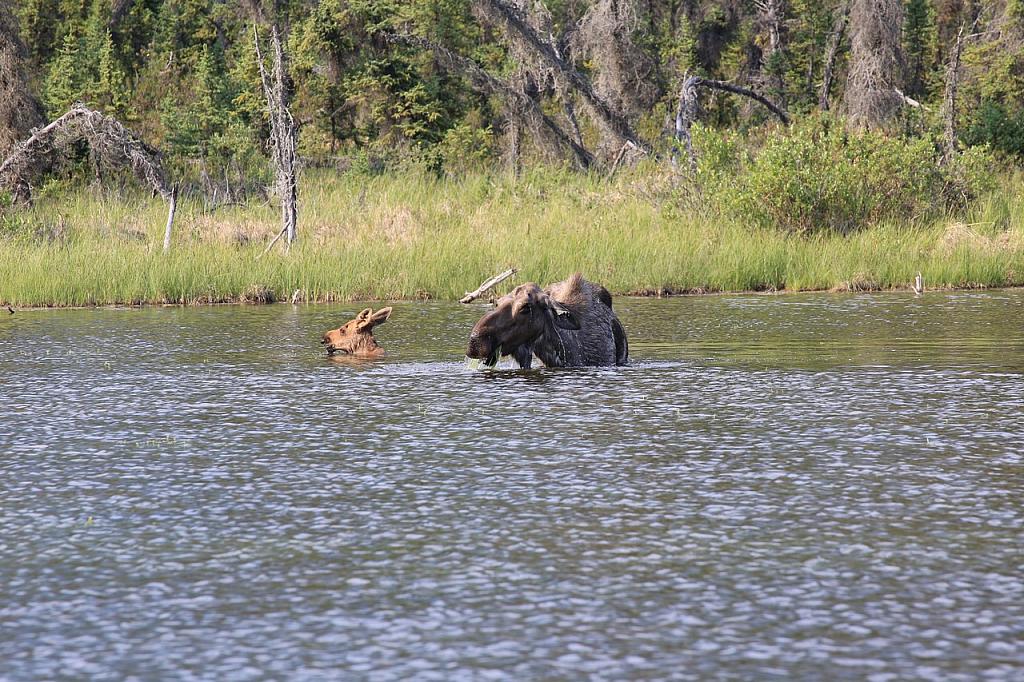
(798, 487)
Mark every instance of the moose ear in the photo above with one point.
(564, 317)
(364, 320)
(381, 316)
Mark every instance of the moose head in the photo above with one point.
(520, 319)
(355, 337)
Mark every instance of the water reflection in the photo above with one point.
(798, 487)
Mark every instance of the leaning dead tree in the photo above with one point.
(532, 79)
(623, 71)
(689, 104)
(522, 38)
(108, 140)
(521, 105)
(283, 132)
(876, 61)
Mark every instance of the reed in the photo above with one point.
(412, 235)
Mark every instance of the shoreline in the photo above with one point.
(641, 294)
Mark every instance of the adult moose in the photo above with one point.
(567, 324)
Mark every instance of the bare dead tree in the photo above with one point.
(535, 79)
(1011, 42)
(283, 130)
(771, 15)
(875, 63)
(835, 41)
(20, 110)
(686, 112)
(524, 38)
(108, 140)
(604, 40)
(949, 98)
(522, 106)
(567, 100)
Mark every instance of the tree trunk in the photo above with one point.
(283, 130)
(835, 40)
(949, 100)
(686, 112)
(772, 15)
(876, 61)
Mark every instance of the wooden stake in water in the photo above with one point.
(918, 284)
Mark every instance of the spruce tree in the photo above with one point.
(919, 46)
(111, 90)
(63, 84)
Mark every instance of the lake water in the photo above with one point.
(795, 487)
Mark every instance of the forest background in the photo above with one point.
(439, 141)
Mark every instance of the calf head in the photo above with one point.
(355, 337)
(518, 320)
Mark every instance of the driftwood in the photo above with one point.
(686, 112)
(283, 130)
(483, 288)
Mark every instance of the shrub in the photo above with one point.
(995, 126)
(816, 177)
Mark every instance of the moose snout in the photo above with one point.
(479, 346)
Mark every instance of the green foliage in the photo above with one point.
(64, 84)
(183, 74)
(111, 89)
(996, 126)
(816, 177)
(39, 31)
(466, 147)
(920, 47)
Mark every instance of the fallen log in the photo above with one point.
(489, 284)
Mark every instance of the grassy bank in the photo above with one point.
(410, 235)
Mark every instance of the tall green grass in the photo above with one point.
(413, 235)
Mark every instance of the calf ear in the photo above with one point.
(564, 318)
(364, 320)
(381, 316)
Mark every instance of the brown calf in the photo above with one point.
(356, 336)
